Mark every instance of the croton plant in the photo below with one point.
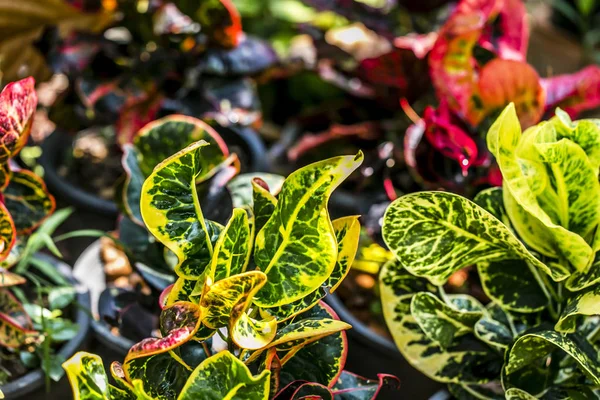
(534, 243)
(32, 293)
(244, 320)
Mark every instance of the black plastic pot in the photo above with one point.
(370, 354)
(90, 271)
(34, 380)
(243, 141)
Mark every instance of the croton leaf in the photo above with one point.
(131, 190)
(320, 359)
(118, 375)
(18, 101)
(353, 387)
(463, 362)
(223, 376)
(164, 137)
(434, 234)
(582, 304)
(573, 92)
(263, 203)
(152, 360)
(493, 330)
(347, 232)
(297, 248)
(252, 333)
(450, 62)
(504, 81)
(16, 328)
(232, 250)
(304, 329)
(440, 322)
(241, 188)
(491, 201)
(172, 213)
(518, 394)
(571, 166)
(218, 18)
(585, 132)
(513, 284)
(27, 200)
(222, 297)
(8, 233)
(582, 280)
(87, 377)
(534, 346)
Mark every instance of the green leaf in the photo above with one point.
(494, 328)
(518, 394)
(435, 234)
(87, 377)
(8, 233)
(347, 232)
(570, 175)
(353, 387)
(264, 203)
(241, 187)
(513, 284)
(164, 137)
(491, 201)
(132, 186)
(586, 133)
(232, 250)
(463, 362)
(534, 346)
(582, 280)
(297, 248)
(222, 297)
(252, 333)
(27, 200)
(586, 303)
(320, 359)
(440, 322)
(15, 324)
(224, 377)
(172, 213)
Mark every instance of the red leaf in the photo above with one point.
(573, 93)
(18, 101)
(505, 81)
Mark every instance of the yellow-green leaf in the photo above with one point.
(297, 248)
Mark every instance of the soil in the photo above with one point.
(94, 164)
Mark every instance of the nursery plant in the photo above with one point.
(244, 318)
(534, 244)
(149, 258)
(34, 297)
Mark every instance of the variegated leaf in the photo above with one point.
(223, 376)
(585, 132)
(16, 328)
(347, 232)
(464, 362)
(513, 284)
(87, 377)
(491, 201)
(494, 328)
(172, 213)
(152, 360)
(162, 138)
(232, 250)
(503, 139)
(252, 333)
(181, 290)
(585, 303)
(118, 375)
(264, 203)
(434, 234)
(28, 201)
(534, 346)
(518, 394)
(297, 248)
(301, 389)
(440, 322)
(18, 102)
(353, 387)
(241, 187)
(302, 331)
(132, 186)
(223, 297)
(320, 359)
